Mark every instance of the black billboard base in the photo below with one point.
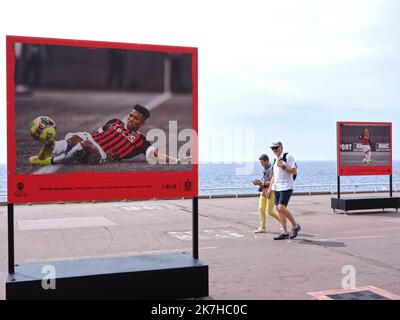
(366, 203)
(162, 276)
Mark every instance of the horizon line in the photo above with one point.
(242, 161)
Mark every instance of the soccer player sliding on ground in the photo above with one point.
(115, 141)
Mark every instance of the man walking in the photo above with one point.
(282, 183)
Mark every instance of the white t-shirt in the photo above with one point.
(283, 180)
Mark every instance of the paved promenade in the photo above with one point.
(242, 265)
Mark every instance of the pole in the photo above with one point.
(10, 218)
(338, 158)
(195, 215)
(391, 185)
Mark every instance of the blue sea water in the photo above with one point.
(228, 178)
(310, 173)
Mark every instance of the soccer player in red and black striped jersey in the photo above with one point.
(366, 145)
(118, 142)
(115, 141)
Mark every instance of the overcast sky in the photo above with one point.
(287, 69)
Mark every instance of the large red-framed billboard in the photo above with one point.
(124, 117)
(364, 148)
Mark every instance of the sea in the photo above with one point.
(236, 178)
(312, 176)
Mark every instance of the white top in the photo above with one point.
(283, 180)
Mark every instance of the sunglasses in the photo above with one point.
(275, 148)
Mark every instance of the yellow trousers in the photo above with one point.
(267, 204)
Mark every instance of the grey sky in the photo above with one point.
(288, 69)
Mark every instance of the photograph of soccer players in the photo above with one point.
(365, 145)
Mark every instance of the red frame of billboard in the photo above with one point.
(363, 170)
(89, 186)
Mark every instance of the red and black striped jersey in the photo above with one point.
(365, 139)
(118, 142)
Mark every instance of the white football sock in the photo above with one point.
(59, 147)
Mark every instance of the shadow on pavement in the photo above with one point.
(381, 213)
(326, 244)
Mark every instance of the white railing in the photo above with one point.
(305, 188)
(299, 189)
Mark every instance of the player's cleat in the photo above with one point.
(365, 161)
(46, 150)
(35, 160)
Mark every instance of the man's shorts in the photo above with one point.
(283, 197)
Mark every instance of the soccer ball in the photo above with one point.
(43, 128)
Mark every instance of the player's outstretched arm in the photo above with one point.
(169, 159)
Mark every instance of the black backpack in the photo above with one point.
(284, 158)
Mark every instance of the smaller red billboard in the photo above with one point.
(364, 148)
